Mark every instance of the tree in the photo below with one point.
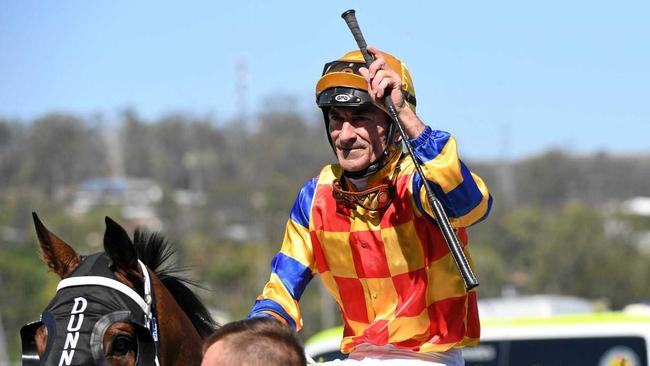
(13, 150)
(575, 256)
(62, 150)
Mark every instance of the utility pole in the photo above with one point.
(114, 151)
(241, 85)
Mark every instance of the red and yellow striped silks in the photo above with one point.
(390, 272)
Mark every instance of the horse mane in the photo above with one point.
(155, 251)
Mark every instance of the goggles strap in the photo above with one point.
(351, 198)
(385, 192)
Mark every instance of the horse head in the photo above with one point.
(110, 308)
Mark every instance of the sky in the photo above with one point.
(510, 79)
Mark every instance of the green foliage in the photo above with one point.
(62, 150)
(575, 256)
(492, 270)
(564, 251)
(19, 305)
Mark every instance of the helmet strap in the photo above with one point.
(370, 169)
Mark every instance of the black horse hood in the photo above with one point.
(79, 315)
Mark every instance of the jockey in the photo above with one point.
(365, 226)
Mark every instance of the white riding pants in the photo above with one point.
(369, 355)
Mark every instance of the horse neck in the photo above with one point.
(180, 343)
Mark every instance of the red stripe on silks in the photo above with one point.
(400, 210)
(369, 254)
(411, 291)
(354, 342)
(319, 256)
(431, 239)
(377, 333)
(347, 328)
(473, 322)
(354, 302)
(326, 212)
(447, 320)
(349, 332)
(412, 344)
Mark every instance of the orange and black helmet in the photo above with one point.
(342, 85)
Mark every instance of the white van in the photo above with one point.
(599, 339)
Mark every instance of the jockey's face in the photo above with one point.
(358, 135)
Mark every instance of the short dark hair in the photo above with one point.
(259, 341)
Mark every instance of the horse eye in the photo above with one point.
(122, 345)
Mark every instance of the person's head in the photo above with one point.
(358, 131)
(254, 342)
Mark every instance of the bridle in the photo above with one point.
(141, 315)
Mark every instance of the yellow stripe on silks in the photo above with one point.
(381, 298)
(479, 211)
(338, 253)
(430, 347)
(444, 169)
(328, 174)
(444, 281)
(297, 245)
(346, 345)
(331, 286)
(275, 290)
(358, 327)
(412, 327)
(367, 300)
(404, 254)
(363, 220)
(468, 341)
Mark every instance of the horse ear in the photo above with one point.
(56, 253)
(119, 246)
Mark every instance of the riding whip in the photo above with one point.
(439, 213)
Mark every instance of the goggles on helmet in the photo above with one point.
(343, 66)
(344, 73)
(374, 199)
(344, 97)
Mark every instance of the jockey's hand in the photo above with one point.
(383, 82)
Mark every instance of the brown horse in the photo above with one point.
(117, 307)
